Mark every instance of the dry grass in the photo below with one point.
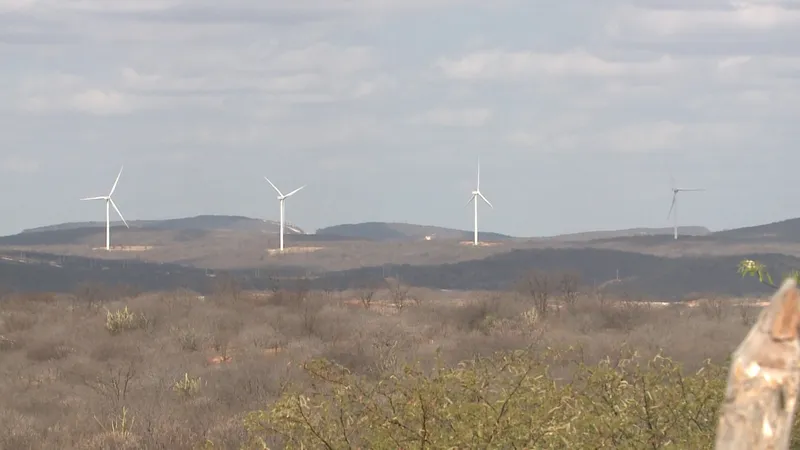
(184, 369)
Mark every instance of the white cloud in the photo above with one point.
(448, 117)
(95, 101)
(520, 65)
(639, 137)
(737, 16)
(218, 89)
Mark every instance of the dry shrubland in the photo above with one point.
(176, 370)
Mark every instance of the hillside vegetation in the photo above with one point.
(641, 275)
(370, 368)
(390, 231)
(202, 222)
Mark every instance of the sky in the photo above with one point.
(579, 111)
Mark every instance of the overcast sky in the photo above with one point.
(578, 109)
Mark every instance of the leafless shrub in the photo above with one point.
(48, 351)
(539, 287)
(398, 292)
(310, 312)
(14, 321)
(568, 287)
(747, 314)
(713, 308)
(225, 327)
(91, 294)
(366, 295)
(116, 380)
(188, 339)
(227, 287)
(8, 344)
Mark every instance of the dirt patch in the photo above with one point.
(127, 248)
(480, 244)
(288, 250)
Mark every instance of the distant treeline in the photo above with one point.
(639, 274)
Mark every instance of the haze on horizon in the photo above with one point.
(579, 111)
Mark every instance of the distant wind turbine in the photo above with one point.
(475, 194)
(281, 199)
(110, 201)
(673, 209)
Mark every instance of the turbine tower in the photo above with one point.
(673, 209)
(281, 199)
(110, 202)
(475, 194)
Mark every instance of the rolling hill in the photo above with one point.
(202, 222)
(631, 232)
(391, 231)
(641, 275)
(784, 230)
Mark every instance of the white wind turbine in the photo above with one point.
(673, 209)
(282, 198)
(475, 194)
(110, 202)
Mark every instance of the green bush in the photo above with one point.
(123, 319)
(510, 400)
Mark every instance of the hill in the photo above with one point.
(631, 232)
(202, 222)
(641, 275)
(784, 230)
(389, 231)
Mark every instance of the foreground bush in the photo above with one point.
(511, 400)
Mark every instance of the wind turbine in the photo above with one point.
(475, 194)
(282, 198)
(674, 207)
(110, 201)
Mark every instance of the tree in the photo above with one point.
(398, 292)
(539, 287)
(226, 285)
(568, 285)
(366, 294)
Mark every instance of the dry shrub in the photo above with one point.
(10, 344)
(189, 339)
(48, 351)
(269, 337)
(17, 431)
(14, 321)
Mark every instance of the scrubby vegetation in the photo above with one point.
(383, 367)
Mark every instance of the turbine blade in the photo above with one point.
(294, 191)
(114, 187)
(691, 189)
(672, 206)
(484, 199)
(472, 197)
(479, 175)
(118, 212)
(273, 186)
(95, 198)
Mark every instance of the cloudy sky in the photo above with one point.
(579, 110)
